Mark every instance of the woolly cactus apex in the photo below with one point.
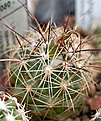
(10, 109)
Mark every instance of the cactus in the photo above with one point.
(51, 71)
(10, 109)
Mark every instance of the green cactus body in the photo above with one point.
(52, 75)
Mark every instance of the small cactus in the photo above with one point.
(97, 116)
(10, 109)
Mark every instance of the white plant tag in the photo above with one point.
(14, 14)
